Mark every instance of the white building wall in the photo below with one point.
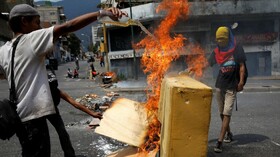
(49, 14)
(144, 12)
(234, 7)
(245, 9)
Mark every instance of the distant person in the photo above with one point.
(93, 71)
(77, 63)
(31, 82)
(91, 59)
(75, 73)
(56, 120)
(102, 61)
(69, 73)
(94, 74)
(231, 60)
(91, 67)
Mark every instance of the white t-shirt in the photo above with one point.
(30, 75)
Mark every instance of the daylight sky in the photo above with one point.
(74, 8)
(48, 0)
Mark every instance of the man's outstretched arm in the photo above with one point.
(84, 20)
(79, 106)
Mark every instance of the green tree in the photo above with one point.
(95, 48)
(48, 3)
(74, 44)
(90, 47)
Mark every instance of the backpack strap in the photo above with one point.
(13, 95)
(236, 109)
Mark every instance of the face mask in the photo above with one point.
(222, 42)
(222, 36)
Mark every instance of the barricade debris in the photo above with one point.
(96, 104)
(103, 145)
(108, 77)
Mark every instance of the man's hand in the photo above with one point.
(241, 75)
(113, 13)
(97, 115)
(240, 86)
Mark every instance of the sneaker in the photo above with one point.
(218, 147)
(228, 138)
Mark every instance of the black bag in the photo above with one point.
(9, 119)
(246, 74)
(54, 87)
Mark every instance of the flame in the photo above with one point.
(159, 52)
(196, 60)
(109, 73)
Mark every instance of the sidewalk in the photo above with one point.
(262, 84)
(254, 84)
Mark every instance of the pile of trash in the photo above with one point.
(97, 103)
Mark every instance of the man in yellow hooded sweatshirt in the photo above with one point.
(231, 78)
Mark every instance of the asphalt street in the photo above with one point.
(255, 125)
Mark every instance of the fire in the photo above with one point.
(109, 73)
(159, 52)
(196, 60)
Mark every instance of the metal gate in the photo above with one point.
(259, 63)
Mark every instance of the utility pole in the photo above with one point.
(105, 42)
(132, 39)
(106, 48)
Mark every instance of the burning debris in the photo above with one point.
(126, 121)
(184, 112)
(160, 50)
(108, 77)
(157, 57)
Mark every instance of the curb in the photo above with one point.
(247, 89)
(140, 89)
(262, 89)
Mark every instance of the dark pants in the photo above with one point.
(57, 122)
(34, 138)
(102, 63)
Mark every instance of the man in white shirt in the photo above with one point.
(30, 76)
